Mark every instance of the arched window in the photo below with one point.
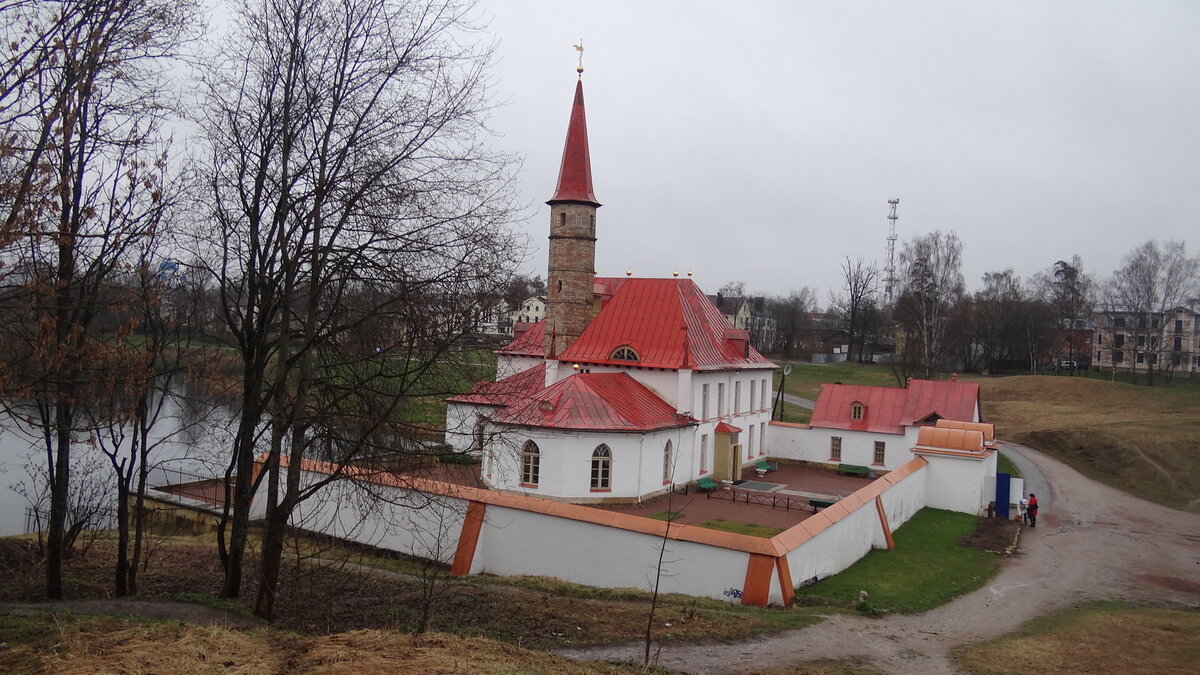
(602, 468)
(531, 464)
(667, 460)
(624, 354)
(857, 409)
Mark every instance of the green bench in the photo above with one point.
(853, 470)
(707, 483)
(819, 503)
(763, 467)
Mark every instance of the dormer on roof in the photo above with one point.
(857, 411)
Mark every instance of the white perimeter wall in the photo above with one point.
(844, 542)
(411, 522)
(961, 483)
(513, 541)
(858, 447)
(521, 542)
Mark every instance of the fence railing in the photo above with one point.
(763, 499)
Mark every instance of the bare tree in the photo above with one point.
(1068, 291)
(1152, 282)
(789, 314)
(361, 222)
(931, 289)
(83, 164)
(857, 306)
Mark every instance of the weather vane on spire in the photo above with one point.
(579, 48)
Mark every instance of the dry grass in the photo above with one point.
(1097, 638)
(1142, 440)
(71, 644)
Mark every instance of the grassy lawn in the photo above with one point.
(63, 642)
(1138, 439)
(742, 528)
(1005, 465)
(1106, 637)
(806, 378)
(926, 569)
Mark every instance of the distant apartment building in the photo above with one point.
(1162, 340)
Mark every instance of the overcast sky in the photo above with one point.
(761, 141)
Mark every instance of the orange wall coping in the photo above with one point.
(791, 425)
(624, 521)
(779, 545)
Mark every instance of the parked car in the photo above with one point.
(1070, 365)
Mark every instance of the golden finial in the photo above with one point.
(575, 367)
(628, 273)
(675, 273)
(689, 273)
(579, 48)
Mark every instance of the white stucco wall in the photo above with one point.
(858, 447)
(460, 424)
(523, 542)
(424, 525)
(507, 364)
(961, 483)
(566, 462)
(845, 541)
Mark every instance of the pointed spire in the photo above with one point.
(575, 175)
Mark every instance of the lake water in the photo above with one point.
(190, 443)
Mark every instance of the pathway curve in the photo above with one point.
(1092, 542)
(796, 400)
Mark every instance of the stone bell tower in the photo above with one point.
(572, 267)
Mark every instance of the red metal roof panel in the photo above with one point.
(595, 402)
(508, 391)
(670, 323)
(575, 174)
(529, 340)
(890, 409)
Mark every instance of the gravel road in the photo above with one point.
(1092, 542)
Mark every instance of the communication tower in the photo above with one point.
(890, 280)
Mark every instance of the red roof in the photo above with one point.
(595, 402)
(510, 390)
(669, 323)
(890, 409)
(575, 175)
(529, 340)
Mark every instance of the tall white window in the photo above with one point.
(762, 396)
(737, 397)
(750, 443)
(704, 453)
(752, 385)
(667, 463)
(720, 399)
(531, 464)
(601, 468)
(835, 448)
(704, 402)
(879, 450)
(762, 438)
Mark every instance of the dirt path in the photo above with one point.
(1092, 542)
